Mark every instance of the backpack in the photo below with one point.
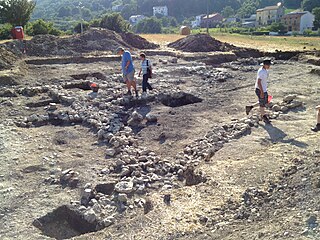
(149, 72)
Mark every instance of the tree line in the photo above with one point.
(19, 12)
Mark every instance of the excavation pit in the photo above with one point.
(65, 222)
(179, 99)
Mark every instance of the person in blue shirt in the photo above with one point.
(128, 70)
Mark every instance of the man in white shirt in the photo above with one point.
(317, 127)
(262, 90)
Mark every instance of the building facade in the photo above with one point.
(298, 21)
(268, 15)
(250, 22)
(160, 10)
(197, 22)
(212, 20)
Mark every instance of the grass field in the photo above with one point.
(265, 43)
(162, 39)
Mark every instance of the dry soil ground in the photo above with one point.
(263, 184)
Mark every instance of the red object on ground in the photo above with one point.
(269, 98)
(93, 85)
(17, 33)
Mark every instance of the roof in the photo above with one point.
(295, 14)
(212, 15)
(269, 8)
(160, 7)
(136, 16)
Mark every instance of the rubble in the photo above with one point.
(92, 40)
(200, 43)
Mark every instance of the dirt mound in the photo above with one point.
(7, 58)
(93, 40)
(200, 43)
(137, 41)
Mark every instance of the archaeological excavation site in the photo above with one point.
(183, 162)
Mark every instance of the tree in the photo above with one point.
(86, 13)
(227, 12)
(42, 27)
(277, 27)
(115, 22)
(128, 10)
(248, 8)
(169, 21)
(75, 11)
(85, 26)
(149, 25)
(64, 11)
(316, 13)
(16, 12)
(292, 3)
(308, 5)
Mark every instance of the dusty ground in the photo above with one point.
(263, 185)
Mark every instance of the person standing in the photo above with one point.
(317, 127)
(262, 90)
(146, 70)
(128, 70)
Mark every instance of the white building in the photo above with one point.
(160, 10)
(135, 19)
(197, 23)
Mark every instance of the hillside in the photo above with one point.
(181, 9)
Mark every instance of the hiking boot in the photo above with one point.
(316, 128)
(248, 109)
(266, 119)
(137, 93)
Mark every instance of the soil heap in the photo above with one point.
(7, 58)
(200, 43)
(93, 40)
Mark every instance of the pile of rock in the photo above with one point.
(66, 178)
(205, 148)
(289, 102)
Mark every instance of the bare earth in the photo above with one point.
(260, 184)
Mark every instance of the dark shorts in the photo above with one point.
(262, 101)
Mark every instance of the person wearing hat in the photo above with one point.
(317, 127)
(262, 90)
(127, 70)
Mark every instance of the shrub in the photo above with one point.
(95, 23)
(42, 27)
(5, 31)
(115, 22)
(85, 26)
(149, 25)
